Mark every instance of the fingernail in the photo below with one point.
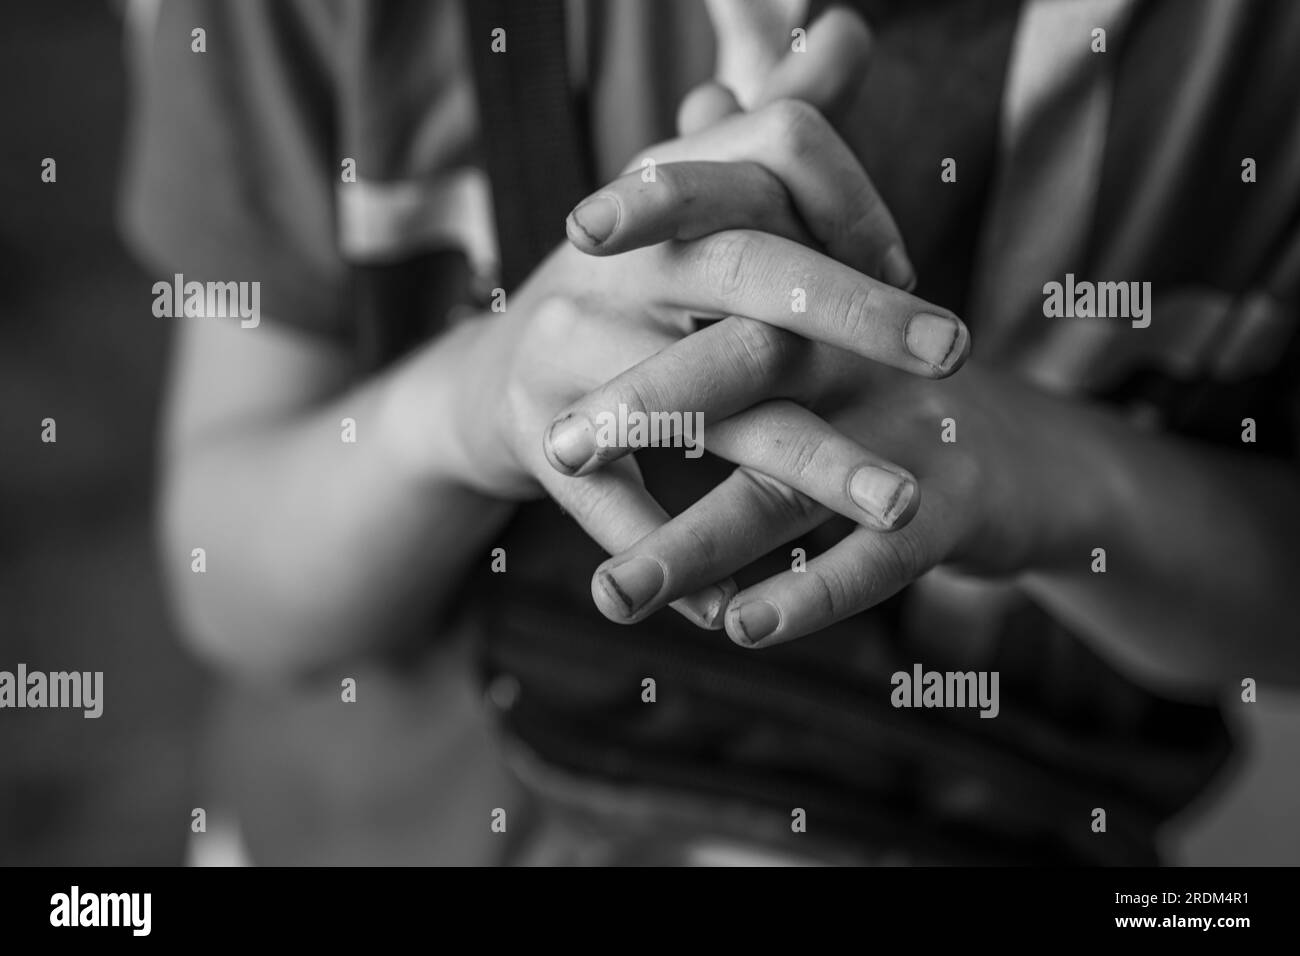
(756, 620)
(597, 218)
(708, 607)
(633, 583)
(896, 269)
(882, 494)
(571, 442)
(935, 339)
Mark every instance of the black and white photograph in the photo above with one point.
(651, 433)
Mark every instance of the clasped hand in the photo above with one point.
(677, 292)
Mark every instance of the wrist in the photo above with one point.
(432, 412)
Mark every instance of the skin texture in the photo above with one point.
(739, 216)
(253, 467)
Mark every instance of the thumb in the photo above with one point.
(827, 70)
(752, 37)
(704, 106)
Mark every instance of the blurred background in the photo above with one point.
(78, 586)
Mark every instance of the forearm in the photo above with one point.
(1202, 553)
(316, 547)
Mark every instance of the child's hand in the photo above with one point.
(763, 390)
(732, 201)
(581, 320)
(1001, 474)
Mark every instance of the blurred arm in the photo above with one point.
(1202, 557)
(315, 548)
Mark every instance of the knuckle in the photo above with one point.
(636, 392)
(860, 221)
(790, 505)
(853, 313)
(705, 547)
(798, 124)
(769, 192)
(594, 504)
(761, 350)
(831, 598)
(804, 456)
(726, 263)
(899, 561)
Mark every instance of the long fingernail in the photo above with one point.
(936, 340)
(570, 442)
(756, 620)
(597, 218)
(633, 583)
(896, 269)
(882, 494)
